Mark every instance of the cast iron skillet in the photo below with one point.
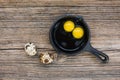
(64, 42)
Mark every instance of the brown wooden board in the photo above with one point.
(23, 21)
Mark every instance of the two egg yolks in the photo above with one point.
(77, 32)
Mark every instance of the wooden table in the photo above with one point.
(23, 21)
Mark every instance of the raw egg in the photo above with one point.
(69, 26)
(78, 33)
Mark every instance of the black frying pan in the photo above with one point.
(64, 42)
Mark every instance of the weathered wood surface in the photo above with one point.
(23, 21)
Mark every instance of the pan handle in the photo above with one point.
(100, 55)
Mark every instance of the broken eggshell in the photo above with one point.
(30, 49)
(47, 58)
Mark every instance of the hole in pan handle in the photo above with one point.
(100, 55)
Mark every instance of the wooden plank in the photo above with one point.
(16, 63)
(44, 14)
(39, 3)
(49, 23)
(46, 10)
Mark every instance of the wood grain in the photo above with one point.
(41, 14)
(23, 21)
(39, 3)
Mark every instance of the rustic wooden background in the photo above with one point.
(23, 21)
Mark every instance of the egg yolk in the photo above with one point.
(78, 32)
(69, 26)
